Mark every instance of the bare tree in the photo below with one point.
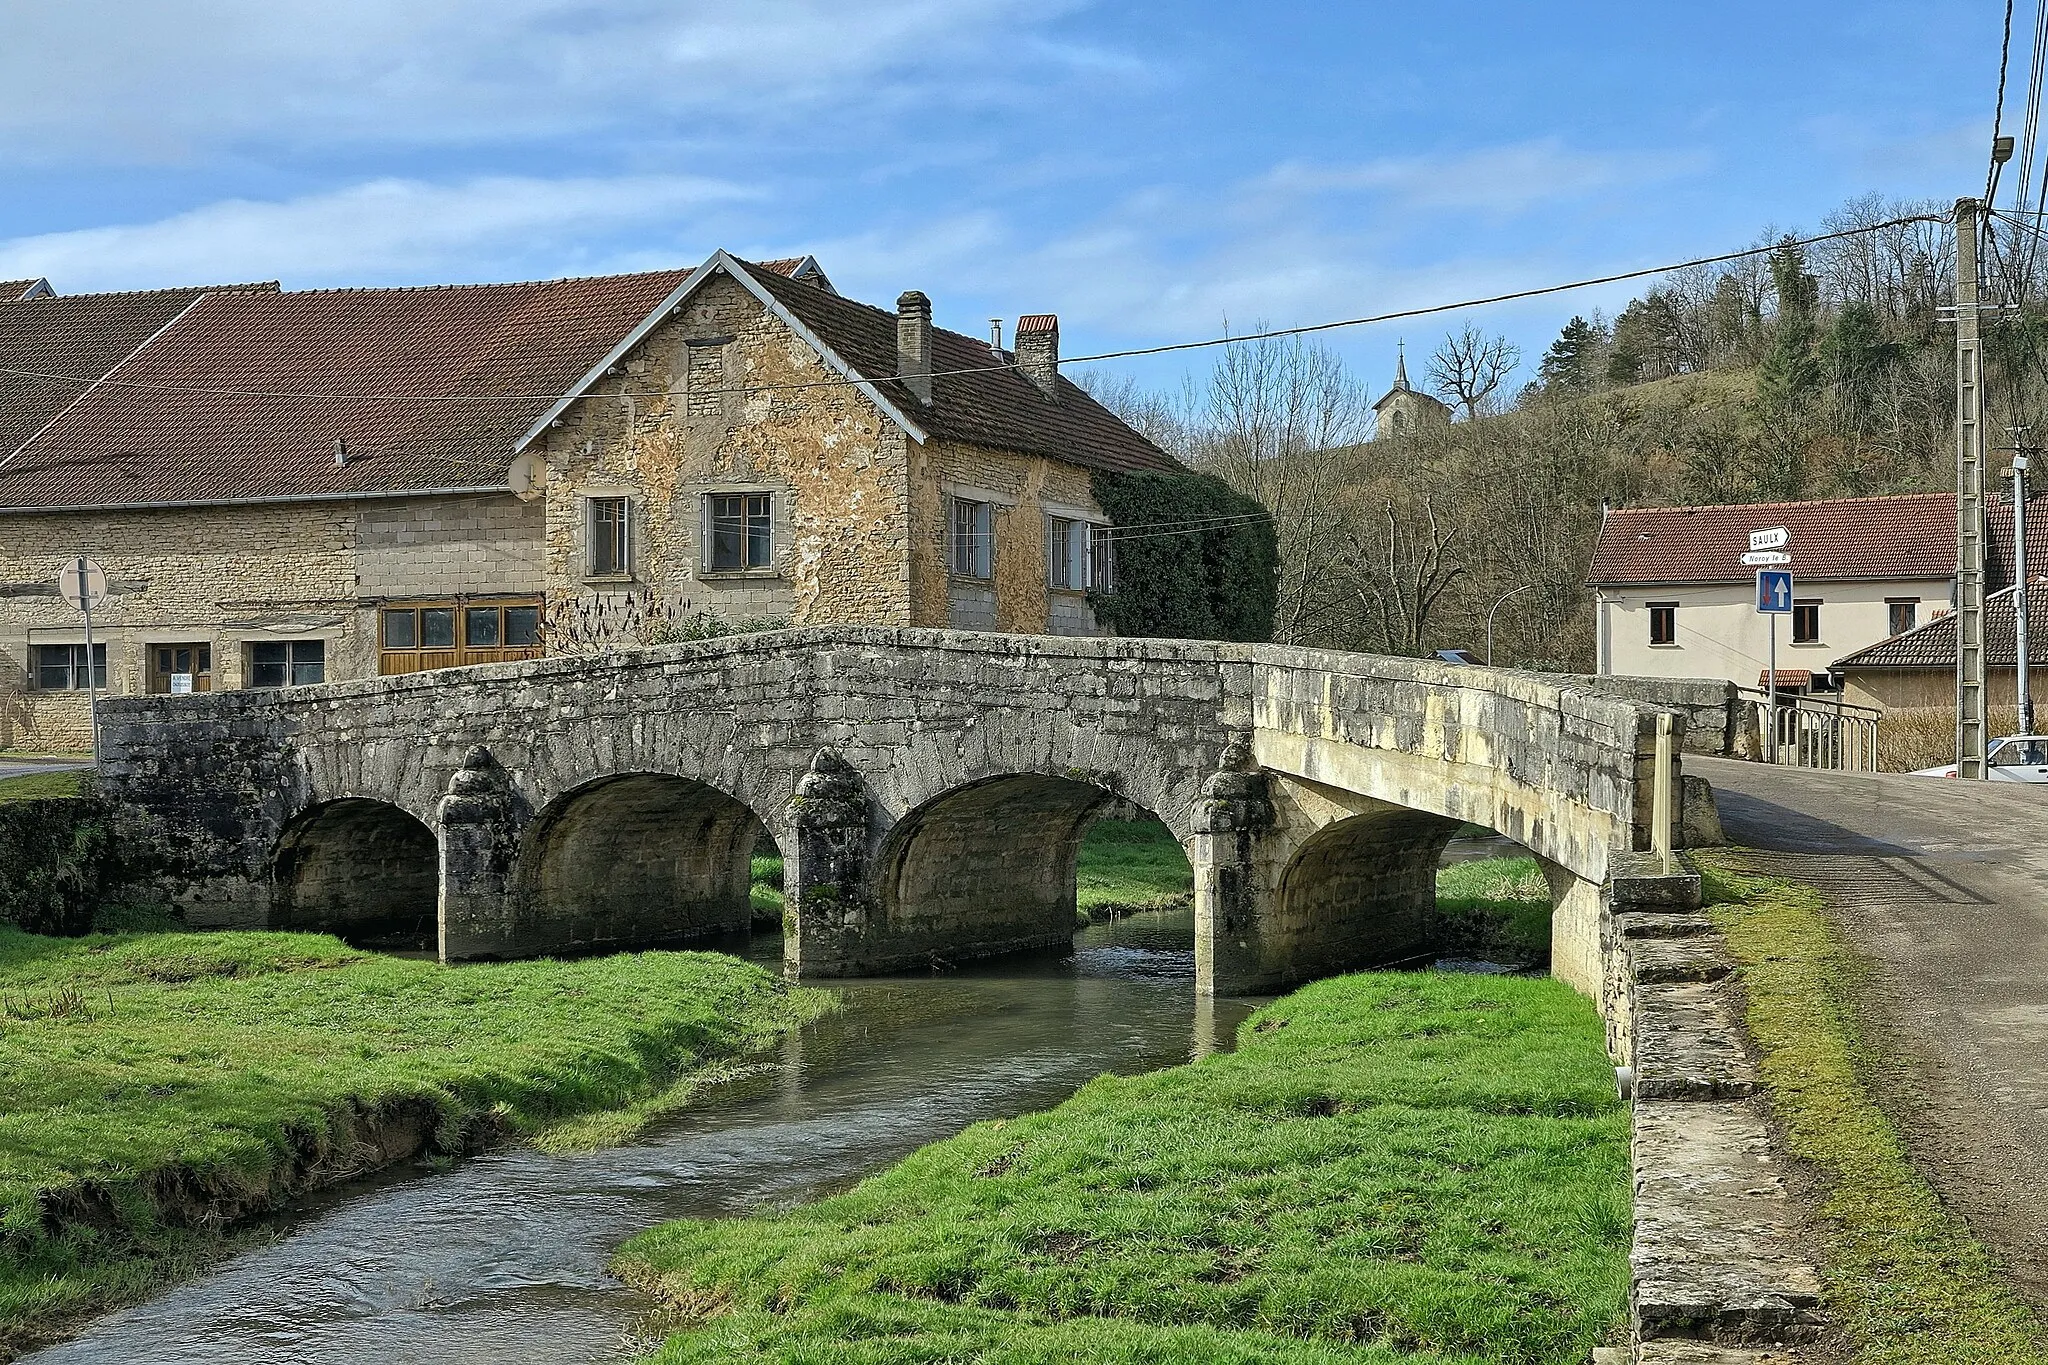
(1469, 368)
(1277, 419)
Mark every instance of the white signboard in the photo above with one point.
(1771, 538)
(1761, 558)
(181, 684)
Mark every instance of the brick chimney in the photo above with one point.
(914, 344)
(1038, 351)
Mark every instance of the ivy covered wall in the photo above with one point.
(1195, 558)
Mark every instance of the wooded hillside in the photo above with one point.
(1823, 371)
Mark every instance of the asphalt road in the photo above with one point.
(1944, 885)
(15, 768)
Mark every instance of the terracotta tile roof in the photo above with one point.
(243, 394)
(1787, 677)
(1910, 535)
(77, 335)
(1933, 644)
(390, 349)
(998, 408)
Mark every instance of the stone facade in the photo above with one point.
(232, 577)
(928, 790)
(860, 513)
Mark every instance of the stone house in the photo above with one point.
(1918, 667)
(291, 487)
(1673, 599)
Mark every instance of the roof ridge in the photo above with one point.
(1802, 502)
(487, 284)
(247, 287)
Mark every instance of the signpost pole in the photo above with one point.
(1771, 691)
(92, 689)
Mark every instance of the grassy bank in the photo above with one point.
(1494, 909)
(1392, 1166)
(1128, 866)
(38, 786)
(1905, 1279)
(153, 1083)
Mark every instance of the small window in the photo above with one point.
(61, 668)
(437, 627)
(287, 663)
(480, 627)
(1663, 623)
(522, 627)
(973, 538)
(1076, 554)
(610, 538)
(1806, 622)
(401, 628)
(1901, 614)
(739, 532)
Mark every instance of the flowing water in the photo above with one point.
(502, 1259)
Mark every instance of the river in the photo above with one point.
(502, 1259)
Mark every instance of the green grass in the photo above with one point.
(141, 1072)
(1127, 866)
(1496, 909)
(765, 894)
(1391, 1167)
(1905, 1279)
(38, 786)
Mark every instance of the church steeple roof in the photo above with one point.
(1400, 365)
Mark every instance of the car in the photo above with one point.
(2016, 758)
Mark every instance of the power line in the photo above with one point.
(1998, 108)
(1241, 339)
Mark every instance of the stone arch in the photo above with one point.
(634, 859)
(366, 870)
(1360, 891)
(984, 868)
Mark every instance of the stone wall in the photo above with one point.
(664, 432)
(913, 780)
(1022, 490)
(225, 576)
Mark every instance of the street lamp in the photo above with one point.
(1489, 617)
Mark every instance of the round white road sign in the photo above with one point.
(83, 583)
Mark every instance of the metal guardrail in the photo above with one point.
(1813, 732)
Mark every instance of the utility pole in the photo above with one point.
(2021, 619)
(1971, 712)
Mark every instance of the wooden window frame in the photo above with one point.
(1893, 606)
(974, 549)
(1806, 610)
(419, 657)
(756, 533)
(1666, 615)
(292, 663)
(74, 669)
(615, 536)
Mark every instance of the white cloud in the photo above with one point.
(127, 81)
(1510, 179)
(382, 230)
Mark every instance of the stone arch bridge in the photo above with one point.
(928, 790)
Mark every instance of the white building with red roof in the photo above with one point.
(1674, 599)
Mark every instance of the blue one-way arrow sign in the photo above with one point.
(1774, 592)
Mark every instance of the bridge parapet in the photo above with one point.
(584, 803)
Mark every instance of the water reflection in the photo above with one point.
(502, 1259)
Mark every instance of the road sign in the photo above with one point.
(1774, 592)
(1770, 538)
(83, 583)
(1756, 558)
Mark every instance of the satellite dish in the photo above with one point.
(529, 476)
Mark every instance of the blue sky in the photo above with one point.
(1150, 171)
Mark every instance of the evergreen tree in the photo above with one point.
(1572, 365)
